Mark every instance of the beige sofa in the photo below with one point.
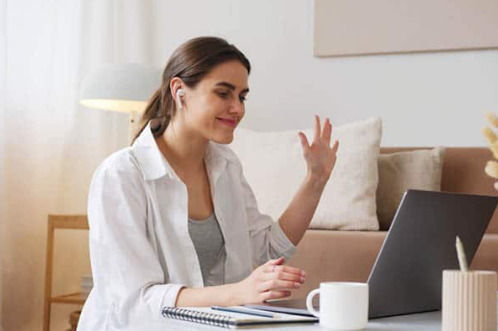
(328, 255)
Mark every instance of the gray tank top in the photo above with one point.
(210, 247)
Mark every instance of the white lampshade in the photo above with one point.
(124, 87)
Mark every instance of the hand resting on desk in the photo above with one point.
(272, 280)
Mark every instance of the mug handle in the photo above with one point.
(309, 302)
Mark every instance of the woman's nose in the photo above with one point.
(237, 107)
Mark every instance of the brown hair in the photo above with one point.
(191, 62)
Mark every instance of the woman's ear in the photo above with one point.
(177, 91)
(175, 84)
(179, 98)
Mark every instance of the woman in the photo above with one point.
(173, 222)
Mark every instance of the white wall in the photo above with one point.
(423, 99)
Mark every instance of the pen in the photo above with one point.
(462, 260)
(242, 310)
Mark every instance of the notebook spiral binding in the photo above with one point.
(198, 317)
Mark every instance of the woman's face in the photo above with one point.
(215, 106)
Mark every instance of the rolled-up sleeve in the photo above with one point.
(125, 266)
(267, 238)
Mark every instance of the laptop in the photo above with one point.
(407, 275)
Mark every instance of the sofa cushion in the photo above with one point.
(398, 172)
(463, 171)
(274, 167)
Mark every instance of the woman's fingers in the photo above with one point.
(282, 268)
(283, 276)
(274, 295)
(272, 280)
(268, 269)
(335, 147)
(277, 284)
(327, 131)
(304, 141)
(318, 129)
(287, 269)
(270, 265)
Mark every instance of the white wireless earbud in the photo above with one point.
(179, 95)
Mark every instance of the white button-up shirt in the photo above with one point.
(140, 249)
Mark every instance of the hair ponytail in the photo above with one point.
(154, 113)
(191, 62)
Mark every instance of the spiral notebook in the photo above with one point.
(232, 320)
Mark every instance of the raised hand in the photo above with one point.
(320, 157)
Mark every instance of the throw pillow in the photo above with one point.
(274, 167)
(398, 172)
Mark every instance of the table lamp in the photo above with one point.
(123, 87)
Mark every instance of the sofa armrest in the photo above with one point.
(327, 255)
(486, 257)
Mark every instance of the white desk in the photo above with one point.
(425, 321)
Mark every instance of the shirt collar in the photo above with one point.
(154, 165)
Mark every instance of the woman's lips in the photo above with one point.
(227, 121)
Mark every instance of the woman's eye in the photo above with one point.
(223, 95)
(242, 98)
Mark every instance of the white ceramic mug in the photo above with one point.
(343, 305)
